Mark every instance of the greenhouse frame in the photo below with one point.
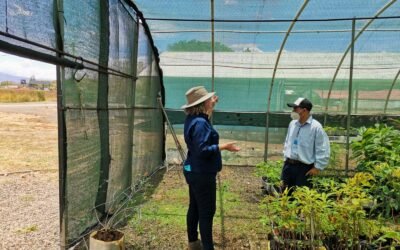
(117, 60)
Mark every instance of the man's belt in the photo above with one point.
(296, 162)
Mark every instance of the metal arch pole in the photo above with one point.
(212, 47)
(181, 151)
(131, 116)
(347, 51)
(103, 111)
(350, 98)
(268, 32)
(39, 56)
(390, 91)
(62, 132)
(273, 77)
(221, 202)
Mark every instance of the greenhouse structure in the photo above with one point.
(121, 62)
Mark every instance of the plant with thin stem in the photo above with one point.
(379, 144)
(351, 221)
(271, 170)
(315, 209)
(121, 207)
(386, 189)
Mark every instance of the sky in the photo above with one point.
(19, 66)
(259, 39)
(231, 34)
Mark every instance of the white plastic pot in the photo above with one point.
(95, 244)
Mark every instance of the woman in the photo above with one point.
(202, 165)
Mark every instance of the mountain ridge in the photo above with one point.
(12, 78)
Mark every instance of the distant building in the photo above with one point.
(38, 84)
(35, 82)
(11, 87)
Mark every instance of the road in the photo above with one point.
(47, 110)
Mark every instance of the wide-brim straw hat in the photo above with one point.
(196, 95)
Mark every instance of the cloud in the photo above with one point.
(230, 2)
(20, 66)
(19, 11)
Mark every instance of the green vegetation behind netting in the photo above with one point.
(197, 46)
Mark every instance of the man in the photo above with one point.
(306, 150)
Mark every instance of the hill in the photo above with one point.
(13, 78)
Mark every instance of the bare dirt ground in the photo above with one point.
(29, 216)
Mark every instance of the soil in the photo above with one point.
(108, 235)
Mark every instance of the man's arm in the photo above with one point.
(322, 149)
(322, 152)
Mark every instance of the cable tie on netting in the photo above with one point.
(63, 16)
(76, 69)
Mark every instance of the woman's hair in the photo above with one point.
(197, 109)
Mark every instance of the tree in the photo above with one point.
(32, 80)
(197, 46)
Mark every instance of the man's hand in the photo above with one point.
(230, 146)
(313, 171)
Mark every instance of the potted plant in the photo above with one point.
(270, 173)
(107, 236)
(107, 240)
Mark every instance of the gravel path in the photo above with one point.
(29, 215)
(29, 205)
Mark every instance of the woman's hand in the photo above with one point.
(230, 146)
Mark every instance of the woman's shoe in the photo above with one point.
(195, 245)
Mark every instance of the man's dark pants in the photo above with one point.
(202, 194)
(294, 174)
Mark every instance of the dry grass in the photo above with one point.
(26, 95)
(29, 201)
(28, 142)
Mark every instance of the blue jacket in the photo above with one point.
(202, 142)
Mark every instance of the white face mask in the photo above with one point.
(294, 115)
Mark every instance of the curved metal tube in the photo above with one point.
(390, 91)
(348, 49)
(274, 73)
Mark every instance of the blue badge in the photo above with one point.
(295, 141)
(187, 168)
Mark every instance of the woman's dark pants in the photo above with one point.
(202, 194)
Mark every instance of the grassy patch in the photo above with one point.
(28, 229)
(26, 95)
(161, 222)
(27, 198)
